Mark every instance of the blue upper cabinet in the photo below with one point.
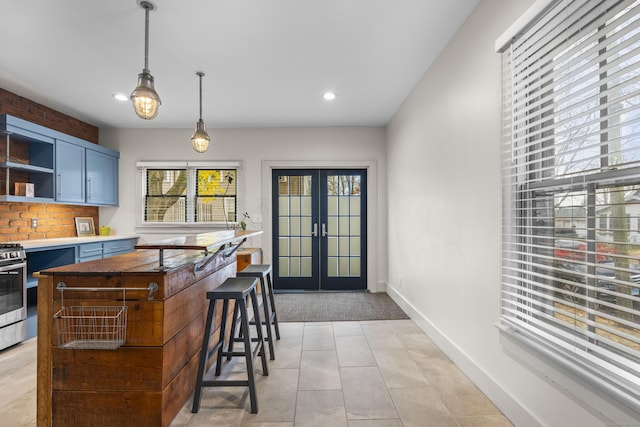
(60, 168)
(70, 173)
(102, 178)
(26, 157)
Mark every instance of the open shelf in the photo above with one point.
(25, 157)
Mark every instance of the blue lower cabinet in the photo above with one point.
(43, 258)
(89, 252)
(99, 250)
(117, 247)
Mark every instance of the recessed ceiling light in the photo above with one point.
(120, 97)
(329, 96)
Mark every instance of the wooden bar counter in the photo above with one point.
(149, 378)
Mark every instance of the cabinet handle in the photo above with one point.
(89, 189)
(58, 183)
(92, 250)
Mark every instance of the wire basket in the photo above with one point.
(94, 327)
(90, 327)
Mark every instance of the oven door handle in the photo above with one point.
(13, 266)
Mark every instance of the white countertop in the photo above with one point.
(43, 243)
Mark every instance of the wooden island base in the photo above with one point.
(146, 381)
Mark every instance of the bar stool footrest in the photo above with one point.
(225, 383)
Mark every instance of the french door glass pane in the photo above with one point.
(294, 219)
(284, 266)
(343, 211)
(306, 266)
(283, 243)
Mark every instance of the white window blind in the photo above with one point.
(571, 190)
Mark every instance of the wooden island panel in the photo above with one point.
(248, 256)
(149, 379)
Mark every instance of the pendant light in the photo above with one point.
(200, 138)
(145, 98)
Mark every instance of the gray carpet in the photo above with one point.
(336, 306)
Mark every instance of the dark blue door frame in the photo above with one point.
(319, 229)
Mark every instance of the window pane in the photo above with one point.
(305, 244)
(283, 264)
(216, 195)
(332, 246)
(295, 225)
(283, 247)
(283, 223)
(305, 265)
(165, 200)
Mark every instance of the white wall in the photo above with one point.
(444, 164)
(259, 150)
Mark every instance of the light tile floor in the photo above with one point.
(356, 374)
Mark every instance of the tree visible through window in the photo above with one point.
(166, 195)
(216, 195)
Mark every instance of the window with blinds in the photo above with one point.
(188, 192)
(571, 190)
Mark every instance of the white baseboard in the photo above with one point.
(513, 410)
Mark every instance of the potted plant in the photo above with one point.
(243, 223)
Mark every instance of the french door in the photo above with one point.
(319, 229)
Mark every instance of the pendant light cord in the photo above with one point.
(146, 35)
(200, 74)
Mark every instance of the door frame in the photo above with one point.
(375, 256)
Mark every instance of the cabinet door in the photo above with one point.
(102, 178)
(70, 175)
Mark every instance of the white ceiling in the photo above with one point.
(267, 62)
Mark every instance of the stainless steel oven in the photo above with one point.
(13, 294)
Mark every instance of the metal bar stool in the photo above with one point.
(260, 271)
(237, 289)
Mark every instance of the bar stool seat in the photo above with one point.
(270, 319)
(238, 289)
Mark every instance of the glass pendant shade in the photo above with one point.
(200, 139)
(146, 101)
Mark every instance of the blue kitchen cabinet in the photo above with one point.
(41, 255)
(26, 157)
(102, 178)
(117, 247)
(70, 173)
(99, 250)
(61, 168)
(86, 174)
(89, 252)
